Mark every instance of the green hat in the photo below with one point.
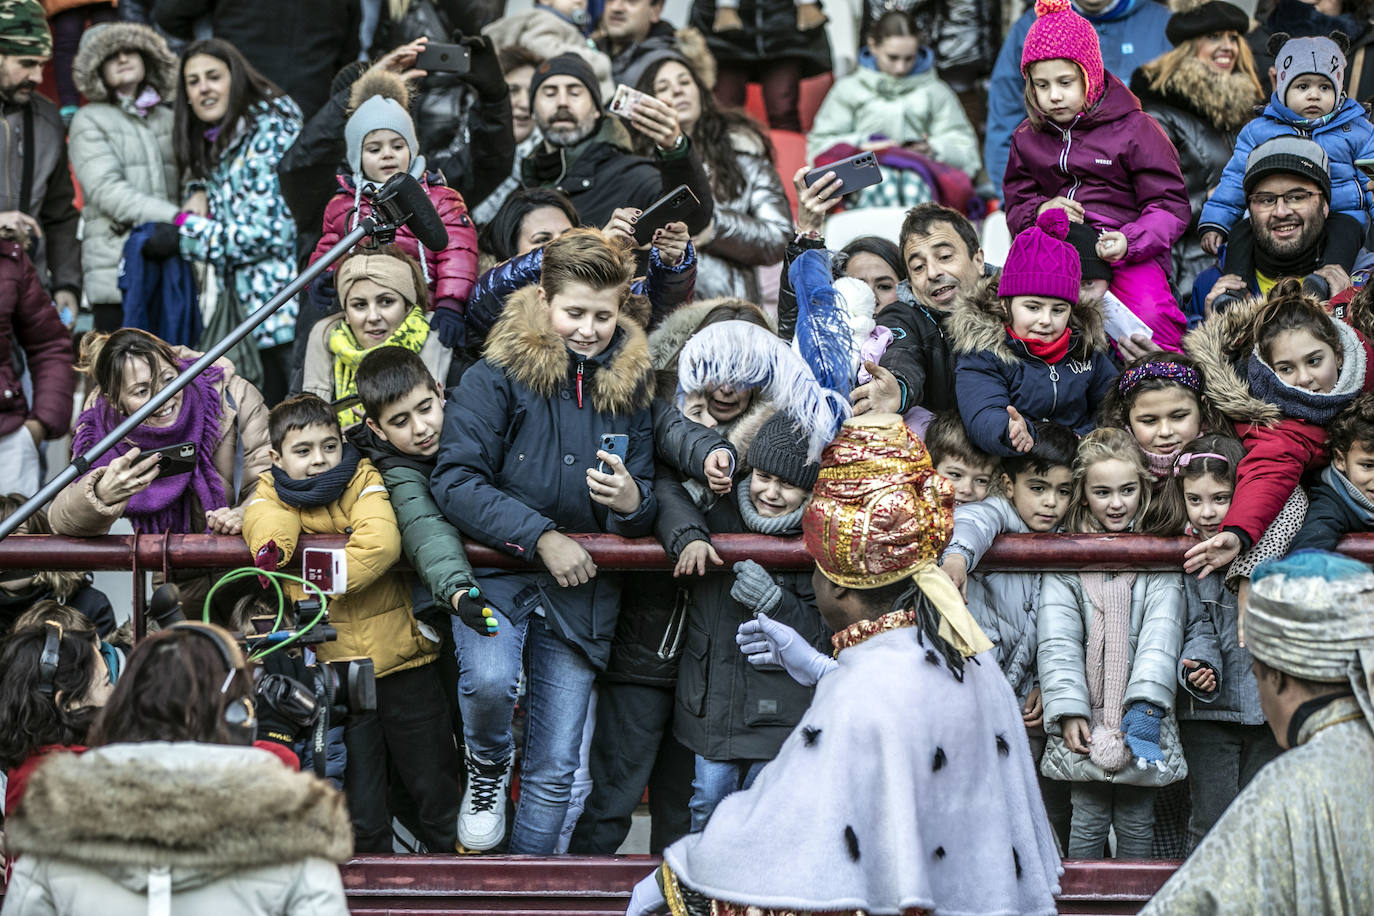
(24, 28)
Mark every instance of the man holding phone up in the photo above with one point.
(588, 157)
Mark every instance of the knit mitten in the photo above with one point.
(754, 588)
(449, 325)
(1141, 724)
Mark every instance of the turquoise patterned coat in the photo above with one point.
(250, 237)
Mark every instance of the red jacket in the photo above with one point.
(29, 323)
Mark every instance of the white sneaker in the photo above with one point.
(482, 818)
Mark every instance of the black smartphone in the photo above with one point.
(173, 459)
(441, 58)
(617, 444)
(672, 207)
(855, 173)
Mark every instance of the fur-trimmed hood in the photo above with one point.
(978, 322)
(101, 41)
(1227, 102)
(619, 380)
(204, 810)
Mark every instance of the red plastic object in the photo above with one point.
(790, 150)
(813, 90)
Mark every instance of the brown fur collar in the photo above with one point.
(203, 806)
(524, 345)
(1227, 102)
(1222, 345)
(978, 322)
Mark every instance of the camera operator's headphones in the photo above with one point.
(52, 655)
(240, 719)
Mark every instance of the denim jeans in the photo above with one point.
(1222, 759)
(488, 677)
(716, 779)
(1100, 806)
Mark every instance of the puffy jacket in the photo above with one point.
(250, 236)
(452, 272)
(751, 229)
(50, 194)
(373, 617)
(769, 34)
(1134, 37)
(918, 106)
(964, 34)
(265, 839)
(29, 325)
(629, 63)
(519, 435)
(1157, 615)
(1301, 20)
(1346, 137)
(1114, 160)
(124, 161)
(1211, 634)
(996, 370)
(93, 604)
(1200, 112)
(1332, 513)
(242, 455)
(1005, 604)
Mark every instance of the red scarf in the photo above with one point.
(1051, 352)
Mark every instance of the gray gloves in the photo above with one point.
(754, 588)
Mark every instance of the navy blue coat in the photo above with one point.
(512, 461)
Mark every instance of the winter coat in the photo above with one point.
(239, 458)
(1346, 137)
(547, 34)
(250, 237)
(318, 375)
(451, 272)
(93, 604)
(1134, 37)
(1300, 20)
(1005, 604)
(1157, 615)
(298, 45)
(751, 229)
(519, 435)
(373, 617)
(964, 35)
(769, 34)
(242, 834)
(1114, 160)
(159, 294)
(124, 162)
(602, 173)
(1332, 513)
(1201, 113)
(918, 106)
(1211, 634)
(996, 370)
(630, 62)
(29, 325)
(1281, 440)
(36, 129)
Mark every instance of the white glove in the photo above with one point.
(647, 897)
(764, 641)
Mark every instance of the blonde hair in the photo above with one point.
(1106, 444)
(1033, 112)
(1160, 71)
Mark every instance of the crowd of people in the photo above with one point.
(1177, 343)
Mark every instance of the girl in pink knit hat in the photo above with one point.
(1087, 148)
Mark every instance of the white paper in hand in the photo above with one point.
(1120, 322)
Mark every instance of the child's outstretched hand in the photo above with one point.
(955, 565)
(617, 490)
(694, 557)
(1018, 431)
(1212, 554)
(1200, 677)
(1211, 241)
(717, 469)
(566, 560)
(1111, 246)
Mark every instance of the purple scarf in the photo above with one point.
(165, 507)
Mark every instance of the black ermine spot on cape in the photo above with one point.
(1003, 747)
(809, 735)
(939, 761)
(1016, 858)
(932, 657)
(939, 852)
(851, 842)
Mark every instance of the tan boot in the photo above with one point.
(727, 20)
(809, 16)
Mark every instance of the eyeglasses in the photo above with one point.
(1292, 199)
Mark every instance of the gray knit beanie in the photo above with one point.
(780, 449)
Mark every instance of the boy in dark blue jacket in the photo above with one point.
(1342, 501)
(517, 468)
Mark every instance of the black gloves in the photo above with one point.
(451, 328)
(476, 614)
(164, 243)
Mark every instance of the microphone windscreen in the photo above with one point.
(424, 221)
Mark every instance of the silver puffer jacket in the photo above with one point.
(751, 229)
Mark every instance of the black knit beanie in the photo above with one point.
(1084, 240)
(567, 64)
(780, 449)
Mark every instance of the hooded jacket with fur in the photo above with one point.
(519, 434)
(995, 370)
(1283, 428)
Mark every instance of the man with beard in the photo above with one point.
(588, 157)
(1291, 231)
(36, 191)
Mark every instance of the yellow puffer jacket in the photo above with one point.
(373, 617)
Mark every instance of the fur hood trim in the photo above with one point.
(379, 82)
(675, 330)
(1227, 102)
(691, 44)
(102, 41)
(977, 323)
(1222, 346)
(747, 425)
(524, 345)
(187, 805)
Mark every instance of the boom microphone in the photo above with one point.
(401, 201)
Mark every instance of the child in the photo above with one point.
(1343, 500)
(1088, 149)
(318, 484)
(956, 460)
(1281, 370)
(381, 142)
(733, 716)
(1109, 647)
(519, 468)
(21, 589)
(1221, 724)
(1031, 352)
(1309, 100)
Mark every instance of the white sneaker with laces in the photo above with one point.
(482, 817)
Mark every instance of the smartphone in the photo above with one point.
(672, 207)
(855, 173)
(173, 459)
(624, 100)
(617, 444)
(441, 58)
(1366, 166)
